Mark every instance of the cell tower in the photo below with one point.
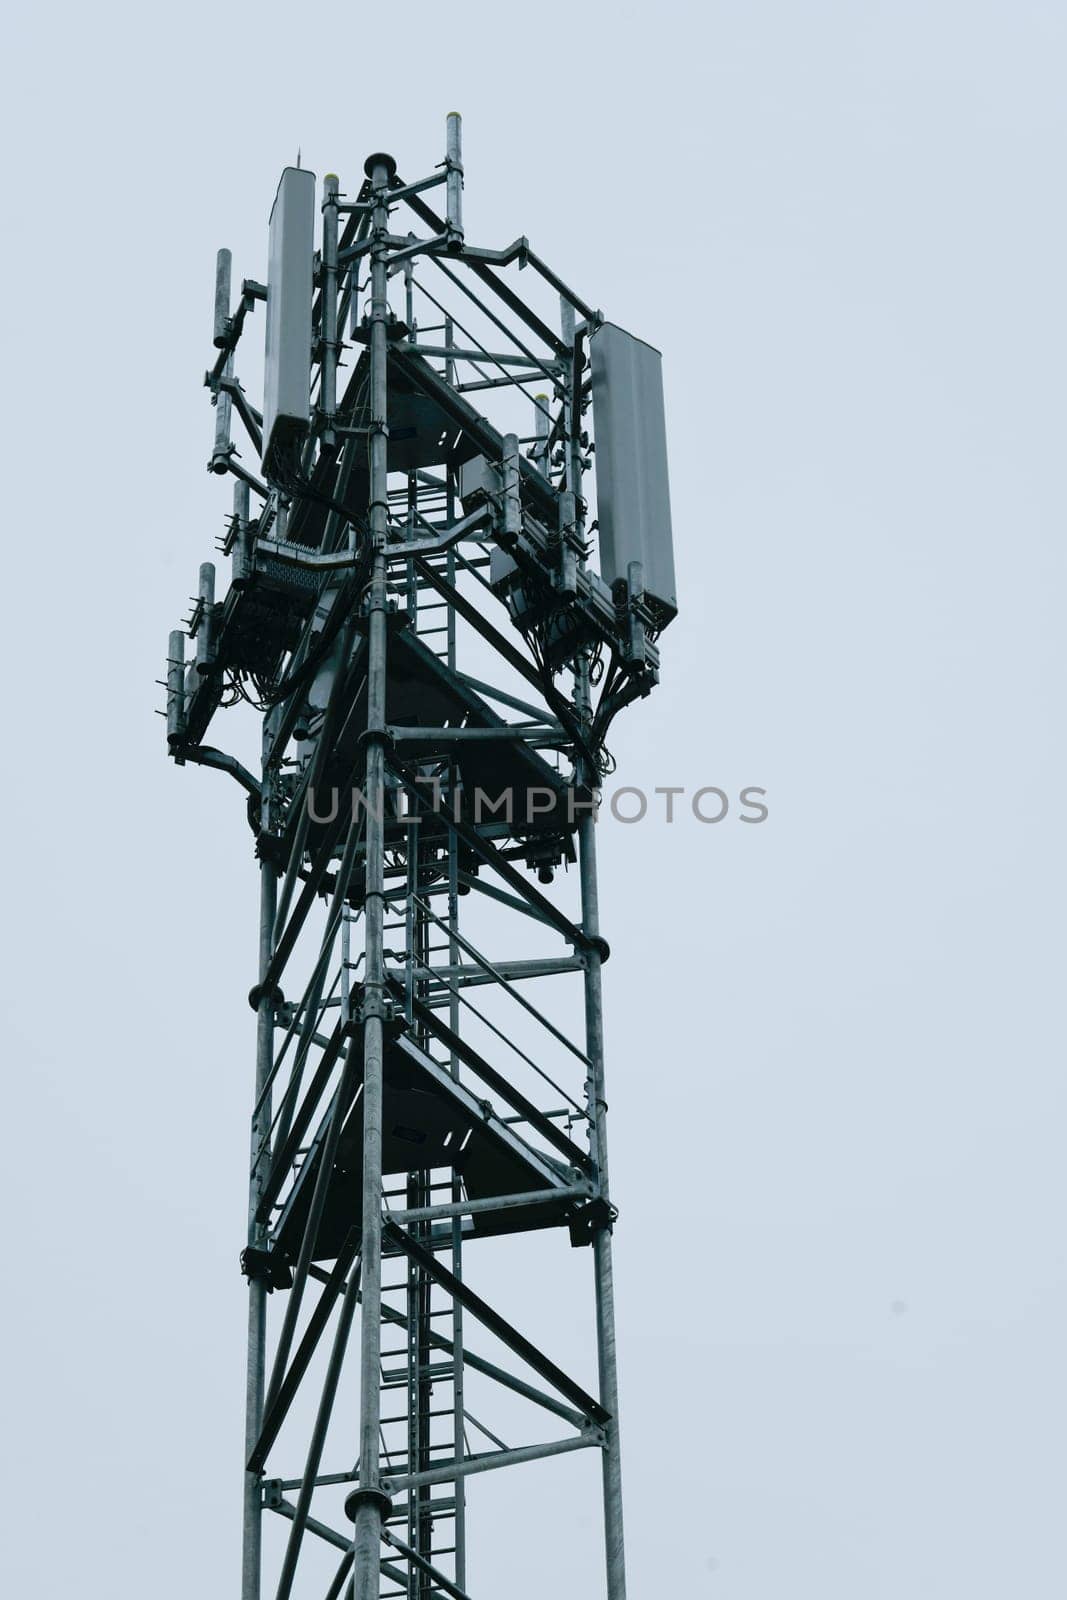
(416, 613)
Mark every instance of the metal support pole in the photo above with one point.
(370, 1500)
(222, 448)
(353, 298)
(512, 503)
(241, 549)
(222, 298)
(328, 393)
(602, 1258)
(257, 1233)
(205, 628)
(318, 1437)
(454, 182)
(458, 1381)
(566, 323)
(176, 684)
(541, 421)
(596, 1099)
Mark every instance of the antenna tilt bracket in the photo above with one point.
(594, 1216)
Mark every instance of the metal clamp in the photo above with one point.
(590, 1220)
(368, 1495)
(264, 1266)
(259, 991)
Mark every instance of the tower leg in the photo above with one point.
(257, 1290)
(602, 1258)
(369, 1501)
(252, 1524)
(609, 1395)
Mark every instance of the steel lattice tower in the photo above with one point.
(412, 1103)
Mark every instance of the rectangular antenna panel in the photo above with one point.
(633, 490)
(287, 371)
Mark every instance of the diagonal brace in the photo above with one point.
(496, 1324)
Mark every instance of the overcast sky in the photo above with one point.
(835, 1040)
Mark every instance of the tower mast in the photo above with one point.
(436, 608)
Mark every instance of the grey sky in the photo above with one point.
(835, 1041)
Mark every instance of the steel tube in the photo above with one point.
(328, 394)
(498, 977)
(285, 1508)
(440, 1581)
(257, 1290)
(323, 1177)
(542, 454)
(175, 684)
(241, 549)
(318, 1437)
(223, 445)
(496, 693)
(276, 1411)
(463, 974)
(205, 627)
(596, 1099)
(444, 736)
(438, 352)
(492, 1459)
(512, 502)
(454, 185)
(459, 1444)
(602, 1256)
(500, 1202)
(489, 1369)
(222, 299)
(334, 1591)
(368, 1515)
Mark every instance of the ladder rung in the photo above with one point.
(443, 1411)
(439, 1508)
(394, 1379)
